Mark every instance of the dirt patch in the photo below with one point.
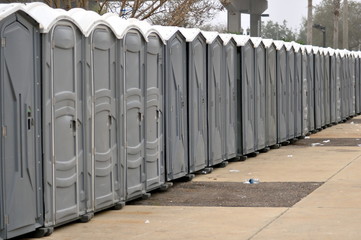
(332, 142)
(230, 194)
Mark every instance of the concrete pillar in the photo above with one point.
(255, 25)
(234, 21)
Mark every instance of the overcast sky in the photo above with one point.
(290, 10)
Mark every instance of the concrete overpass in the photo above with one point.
(254, 8)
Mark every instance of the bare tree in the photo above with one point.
(309, 22)
(345, 24)
(336, 17)
(185, 13)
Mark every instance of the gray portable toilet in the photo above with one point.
(104, 124)
(290, 88)
(64, 116)
(197, 99)
(21, 202)
(357, 83)
(271, 94)
(176, 124)
(260, 93)
(347, 85)
(230, 96)
(339, 72)
(215, 71)
(352, 69)
(282, 93)
(344, 79)
(133, 66)
(310, 73)
(305, 92)
(298, 90)
(321, 87)
(247, 143)
(151, 174)
(318, 87)
(326, 87)
(333, 89)
(154, 128)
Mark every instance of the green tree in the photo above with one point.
(324, 15)
(278, 31)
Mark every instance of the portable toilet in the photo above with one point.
(154, 128)
(305, 92)
(260, 94)
(318, 87)
(282, 93)
(352, 69)
(197, 99)
(298, 83)
(310, 69)
(176, 101)
(290, 88)
(215, 73)
(339, 73)
(333, 88)
(132, 68)
(21, 202)
(271, 93)
(230, 91)
(104, 123)
(247, 102)
(344, 78)
(357, 83)
(64, 117)
(326, 87)
(339, 77)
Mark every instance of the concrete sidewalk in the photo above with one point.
(332, 211)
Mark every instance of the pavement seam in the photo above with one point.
(343, 168)
(268, 224)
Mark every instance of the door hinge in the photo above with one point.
(4, 131)
(3, 42)
(6, 219)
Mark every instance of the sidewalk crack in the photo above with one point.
(265, 226)
(343, 168)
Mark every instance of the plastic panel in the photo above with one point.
(105, 116)
(20, 186)
(176, 108)
(311, 89)
(260, 96)
(63, 125)
(298, 94)
(282, 96)
(154, 152)
(230, 103)
(357, 86)
(197, 104)
(215, 98)
(333, 89)
(305, 95)
(327, 90)
(352, 85)
(248, 99)
(318, 82)
(271, 96)
(339, 74)
(291, 94)
(134, 47)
